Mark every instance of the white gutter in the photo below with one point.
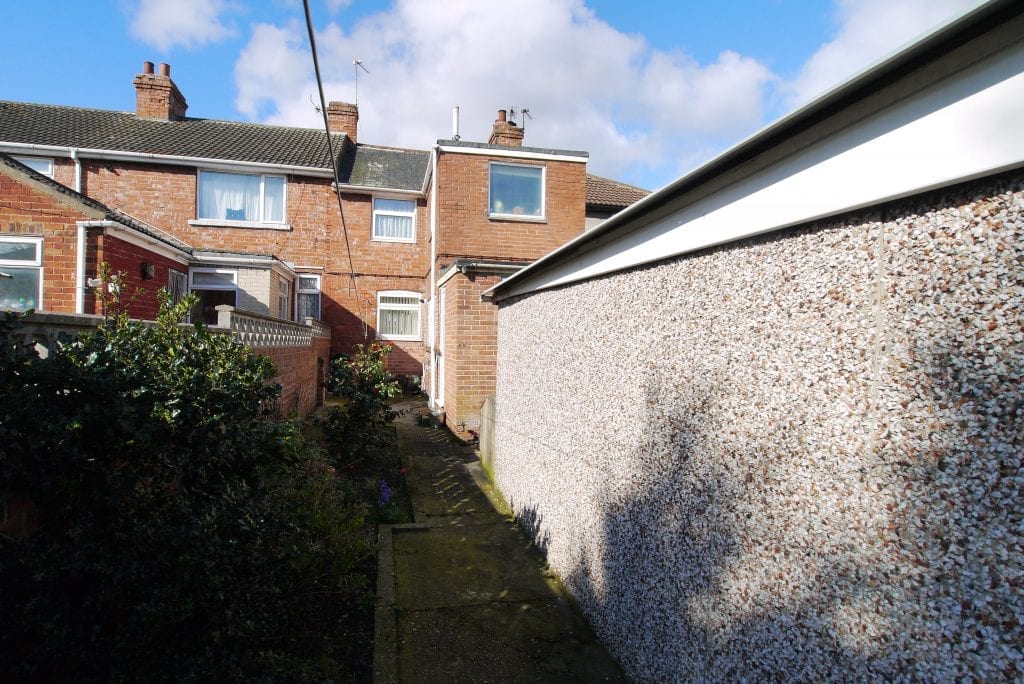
(133, 236)
(432, 332)
(78, 171)
(273, 263)
(173, 159)
(516, 152)
(199, 162)
(379, 190)
(80, 270)
(480, 266)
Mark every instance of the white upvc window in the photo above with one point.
(40, 164)
(21, 273)
(283, 298)
(394, 220)
(307, 300)
(213, 287)
(398, 315)
(516, 191)
(251, 198)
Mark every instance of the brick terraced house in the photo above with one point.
(247, 215)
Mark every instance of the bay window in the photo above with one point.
(21, 273)
(241, 197)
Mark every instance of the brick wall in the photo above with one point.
(30, 212)
(466, 230)
(165, 196)
(470, 350)
(138, 294)
(300, 372)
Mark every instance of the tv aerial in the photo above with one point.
(357, 64)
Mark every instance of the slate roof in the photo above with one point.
(86, 201)
(229, 141)
(604, 192)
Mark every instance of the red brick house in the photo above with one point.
(252, 216)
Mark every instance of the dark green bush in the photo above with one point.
(182, 533)
(355, 428)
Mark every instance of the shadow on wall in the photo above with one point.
(348, 330)
(686, 581)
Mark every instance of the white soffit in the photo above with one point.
(968, 125)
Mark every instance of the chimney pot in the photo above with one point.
(505, 132)
(156, 96)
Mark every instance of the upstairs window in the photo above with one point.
(21, 273)
(43, 166)
(398, 315)
(307, 300)
(516, 191)
(241, 197)
(394, 220)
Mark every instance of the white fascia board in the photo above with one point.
(512, 153)
(266, 263)
(967, 126)
(170, 159)
(371, 190)
(134, 237)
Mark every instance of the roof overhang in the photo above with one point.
(947, 109)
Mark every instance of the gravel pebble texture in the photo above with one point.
(796, 456)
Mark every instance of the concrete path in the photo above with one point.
(462, 595)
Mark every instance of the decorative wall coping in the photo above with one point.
(47, 330)
(257, 330)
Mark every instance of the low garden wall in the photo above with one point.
(797, 456)
(300, 351)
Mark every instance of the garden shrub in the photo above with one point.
(355, 428)
(182, 534)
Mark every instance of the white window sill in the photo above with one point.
(406, 241)
(517, 217)
(252, 225)
(399, 338)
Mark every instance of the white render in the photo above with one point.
(794, 457)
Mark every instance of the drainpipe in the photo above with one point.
(78, 169)
(433, 275)
(80, 270)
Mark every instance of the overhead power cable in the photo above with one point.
(353, 285)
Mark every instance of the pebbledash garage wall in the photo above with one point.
(796, 455)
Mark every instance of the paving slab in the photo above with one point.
(463, 596)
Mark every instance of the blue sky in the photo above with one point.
(649, 89)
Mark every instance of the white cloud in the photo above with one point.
(587, 85)
(869, 30)
(188, 23)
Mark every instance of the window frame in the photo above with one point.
(284, 295)
(418, 308)
(26, 160)
(36, 263)
(504, 216)
(386, 212)
(299, 291)
(262, 221)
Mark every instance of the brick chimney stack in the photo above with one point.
(343, 117)
(505, 132)
(156, 96)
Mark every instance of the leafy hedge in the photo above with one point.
(182, 533)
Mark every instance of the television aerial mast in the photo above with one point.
(357, 64)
